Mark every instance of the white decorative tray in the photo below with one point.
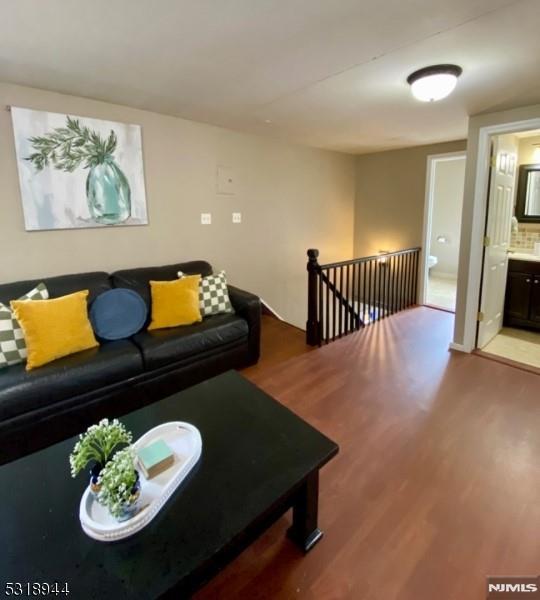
(185, 441)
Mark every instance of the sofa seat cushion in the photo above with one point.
(22, 391)
(166, 346)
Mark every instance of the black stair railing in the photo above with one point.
(345, 296)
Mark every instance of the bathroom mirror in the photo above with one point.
(528, 194)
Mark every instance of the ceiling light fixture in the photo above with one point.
(434, 83)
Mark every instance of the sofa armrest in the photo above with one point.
(248, 306)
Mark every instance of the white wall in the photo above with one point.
(390, 196)
(291, 198)
(447, 205)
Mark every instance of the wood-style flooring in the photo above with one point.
(437, 483)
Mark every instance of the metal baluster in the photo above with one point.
(393, 271)
(358, 294)
(345, 298)
(370, 291)
(364, 273)
(405, 272)
(340, 328)
(327, 332)
(379, 278)
(351, 300)
(409, 280)
(320, 315)
(405, 275)
(415, 286)
(386, 285)
(403, 280)
(400, 282)
(334, 319)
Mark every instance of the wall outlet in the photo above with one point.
(206, 218)
(237, 217)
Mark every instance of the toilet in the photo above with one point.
(432, 261)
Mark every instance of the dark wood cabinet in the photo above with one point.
(534, 314)
(522, 302)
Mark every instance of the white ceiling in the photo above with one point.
(326, 73)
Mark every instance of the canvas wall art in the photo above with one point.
(78, 172)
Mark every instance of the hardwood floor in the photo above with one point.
(437, 483)
(279, 342)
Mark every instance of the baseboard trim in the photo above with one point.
(268, 310)
(446, 310)
(443, 275)
(458, 347)
(507, 361)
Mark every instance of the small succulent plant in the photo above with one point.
(118, 482)
(98, 445)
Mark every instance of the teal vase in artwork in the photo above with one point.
(108, 193)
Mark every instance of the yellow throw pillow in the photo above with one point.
(54, 328)
(175, 302)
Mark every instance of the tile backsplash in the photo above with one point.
(525, 239)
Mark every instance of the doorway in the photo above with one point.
(442, 229)
(509, 317)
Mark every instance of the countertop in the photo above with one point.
(516, 255)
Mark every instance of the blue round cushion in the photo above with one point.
(118, 314)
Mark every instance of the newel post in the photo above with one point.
(313, 332)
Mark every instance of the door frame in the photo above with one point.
(432, 161)
(476, 255)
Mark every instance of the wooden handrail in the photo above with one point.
(356, 261)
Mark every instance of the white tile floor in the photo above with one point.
(441, 292)
(520, 345)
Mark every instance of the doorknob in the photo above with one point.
(527, 281)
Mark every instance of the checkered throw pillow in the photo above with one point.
(12, 344)
(213, 294)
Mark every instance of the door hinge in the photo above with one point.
(480, 316)
(487, 241)
(493, 162)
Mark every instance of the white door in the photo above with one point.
(498, 232)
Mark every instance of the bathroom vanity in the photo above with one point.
(522, 300)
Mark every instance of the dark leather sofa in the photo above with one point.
(62, 398)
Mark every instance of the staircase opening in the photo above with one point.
(344, 297)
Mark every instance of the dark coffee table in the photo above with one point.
(258, 460)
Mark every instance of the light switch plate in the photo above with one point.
(237, 217)
(206, 218)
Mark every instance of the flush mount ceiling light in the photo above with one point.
(434, 83)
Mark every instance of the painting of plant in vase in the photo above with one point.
(78, 172)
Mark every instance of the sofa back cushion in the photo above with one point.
(61, 285)
(138, 279)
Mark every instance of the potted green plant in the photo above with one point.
(97, 447)
(120, 485)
